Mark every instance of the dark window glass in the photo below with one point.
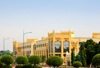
(34, 47)
(49, 47)
(66, 46)
(57, 46)
(52, 46)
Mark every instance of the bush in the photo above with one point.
(36, 66)
(48, 61)
(35, 59)
(96, 60)
(77, 64)
(18, 66)
(1, 64)
(27, 66)
(54, 61)
(21, 60)
(7, 66)
(7, 59)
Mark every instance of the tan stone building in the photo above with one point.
(57, 43)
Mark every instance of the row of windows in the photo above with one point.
(43, 45)
(39, 52)
(25, 47)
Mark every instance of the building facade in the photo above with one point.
(57, 43)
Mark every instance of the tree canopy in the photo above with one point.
(88, 50)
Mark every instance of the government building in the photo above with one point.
(57, 43)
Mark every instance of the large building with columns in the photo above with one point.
(57, 43)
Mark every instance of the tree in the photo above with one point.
(35, 59)
(43, 58)
(7, 59)
(0, 54)
(72, 57)
(8, 53)
(96, 60)
(21, 60)
(0, 59)
(54, 61)
(1, 64)
(77, 58)
(90, 50)
(83, 54)
(77, 64)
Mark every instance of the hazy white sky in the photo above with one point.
(43, 16)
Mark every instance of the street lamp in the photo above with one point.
(4, 45)
(23, 40)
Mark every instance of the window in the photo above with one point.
(58, 46)
(43, 45)
(66, 46)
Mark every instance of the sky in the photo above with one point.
(43, 16)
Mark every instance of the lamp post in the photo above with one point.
(4, 45)
(23, 40)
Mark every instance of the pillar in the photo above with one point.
(62, 48)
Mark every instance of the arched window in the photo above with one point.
(66, 46)
(58, 46)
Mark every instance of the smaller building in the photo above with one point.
(95, 35)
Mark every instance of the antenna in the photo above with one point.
(69, 26)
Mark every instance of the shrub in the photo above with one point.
(21, 60)
(43, 58)
(27, 66)
(7, 59)
(1, 64)
(96, 60)
(48, 61)
(7, 66)
(35, 59)
(54, 61)
(36, 66)
(77, 64)
(18, 66)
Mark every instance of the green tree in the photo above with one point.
(8, 53)
(54, 61)
(0, 54)
(77, 64)
(90, 50)
(7, 59)
(83, 54)
(72, 57)
(21, 60)
(35, 59)
(1, 64)
(96, 60)
(77, 58)
(43, 58)
(0, 59)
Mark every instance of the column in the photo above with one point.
(62, 48)
(69, 45)
(50, 46)
(54, 46)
